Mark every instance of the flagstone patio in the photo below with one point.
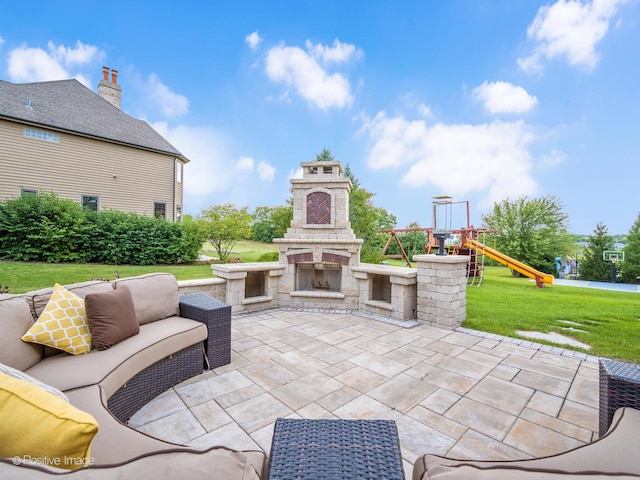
(458, 393)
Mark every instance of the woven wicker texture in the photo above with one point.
(619, 387)
(217, 316)
(155, 379)
(335, 449)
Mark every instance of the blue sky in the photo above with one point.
(481, 100)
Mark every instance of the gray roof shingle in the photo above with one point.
(70, 106)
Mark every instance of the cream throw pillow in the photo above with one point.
(63, 324)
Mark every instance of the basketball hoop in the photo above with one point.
(613, 256)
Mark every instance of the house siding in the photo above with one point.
(79, 165)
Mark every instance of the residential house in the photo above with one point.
(60, 136)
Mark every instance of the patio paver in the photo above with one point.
(459, 393)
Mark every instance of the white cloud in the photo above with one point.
(207, 173)
(424, 111)
(504, 97)
(569, 29)
(298, 173)
(253, 39)
(79, 55)
(266, 171)
(339, 53)
(171, 104)
(492, 159)
(1, 41)
(552, 159)
(301, 70)
(37, 65)
(245, 163)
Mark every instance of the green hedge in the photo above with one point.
(46, 228)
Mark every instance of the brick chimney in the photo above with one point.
(110, 90)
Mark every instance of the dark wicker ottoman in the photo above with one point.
(619, 387)
(335, 449)
(217, 316)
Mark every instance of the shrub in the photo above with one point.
(43, 228)
(129, 238)
(46, 228)
(268, 257)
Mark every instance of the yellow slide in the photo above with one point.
(539, 277)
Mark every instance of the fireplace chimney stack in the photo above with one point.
(110, 90)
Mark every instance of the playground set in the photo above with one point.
(463, 241)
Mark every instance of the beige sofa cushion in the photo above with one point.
(19, 374)
(155, 295)
(215, 463)
(614, 453)
(472, 472)
(113, 367)
(38, 299)
(15, 319)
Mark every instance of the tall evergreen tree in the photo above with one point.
(631, 267)
(325, 156)
(592, 266)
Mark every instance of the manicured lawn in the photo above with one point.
(504, 304)
(26, 276)
(23, 277)
(247, 250)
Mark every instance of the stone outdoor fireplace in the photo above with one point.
(320, 248)
(319, 265)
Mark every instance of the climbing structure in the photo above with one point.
(465, 241)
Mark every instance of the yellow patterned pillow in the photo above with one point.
(63, 324)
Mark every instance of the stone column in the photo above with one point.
(442, 289)
(235, 285)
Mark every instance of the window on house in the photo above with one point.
(179, 213)
(160, 210)
(90, 202)
(28, 192)
(178, 171)
(41, 135)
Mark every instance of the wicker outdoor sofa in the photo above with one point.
(110, 385)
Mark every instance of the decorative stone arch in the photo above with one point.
(319, 208)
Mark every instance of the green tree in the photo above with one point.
(223, 225)
(262, 226)
(281, 218)
(592, 266)
(325, 156)
(413, 242)
(270, 222)
(631, 266)
(367, 219)
(531, 230)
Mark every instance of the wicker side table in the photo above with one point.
(619, 387)
(345, 449)
(217, 316)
